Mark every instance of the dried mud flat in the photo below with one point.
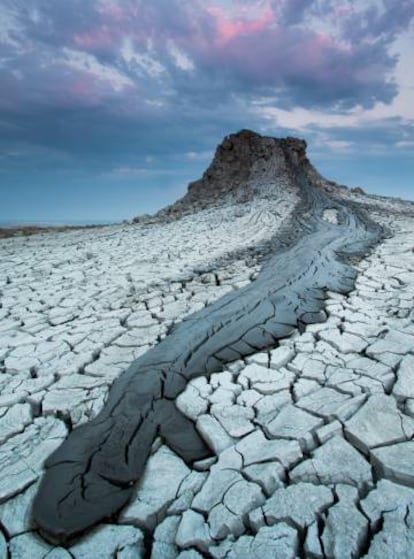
(310, 439)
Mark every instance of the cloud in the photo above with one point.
(141, 62)
(378, 22)
(180, 58)
(309, 54)
(88, 66)
(142, 172)
(110, 82)
(292, 11)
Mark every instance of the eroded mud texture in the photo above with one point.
(93, 473)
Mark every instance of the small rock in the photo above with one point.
(299, 504)
(343, 342)
(3, 546)
(223, 523)
(212, 492)
(404, 387)
(293, 423)
(242, 497)
(191, 403)
(279, 541)
(395, 462)
(346, 529)
(213, 433)
(377, 423)
(255, 448)
(193, 531)
(14, 420)
(164, 473)
(280, 356)
(312, 545)
(164, 546)
(269, 475)
(107, 540)
(334, 462)
(15, 513)
(236, 420)
(28, 545)
(386, 496)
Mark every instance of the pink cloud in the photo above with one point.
(113, 10)
(100, 37)
(230, 26)
(323, 40)
(80, 89)
(344, 10)
(88, 90)
(83, 88)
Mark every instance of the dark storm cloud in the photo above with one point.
(376, 24)
(292, 11)
(373, 136)
(105, 77)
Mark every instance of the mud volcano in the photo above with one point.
(92, 475)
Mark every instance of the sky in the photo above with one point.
(108, 108)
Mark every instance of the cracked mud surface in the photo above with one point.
(310, 440)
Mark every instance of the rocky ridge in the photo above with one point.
(323, 418)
